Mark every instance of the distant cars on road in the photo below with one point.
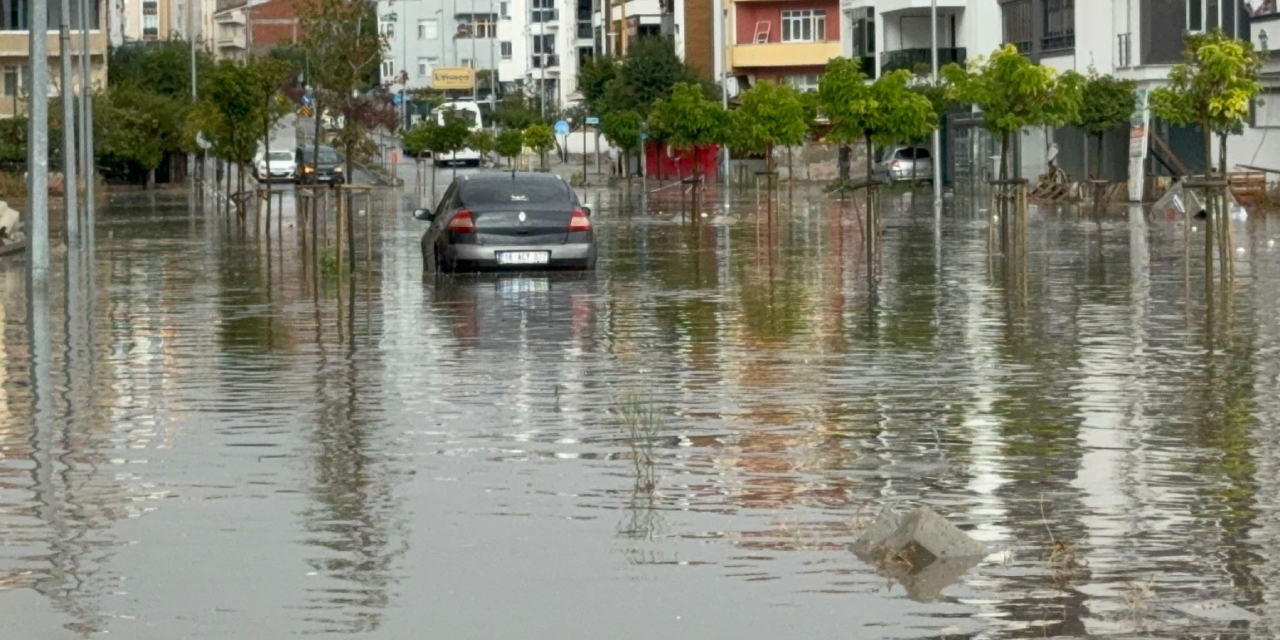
(508, 220)
(280, 166)
(904, 163)
(322, 168)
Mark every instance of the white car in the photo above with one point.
(282, 166)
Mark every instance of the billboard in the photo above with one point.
(458, 78)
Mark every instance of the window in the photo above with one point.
(466, 62)
(864, 37)
(13, 80)
(387, 29)
(425, 65)
(545, 43)
(1266, 107)
(477, 25)
(388, 69)
(428, 29)
(805, 25)
(504, 10)
(150, 20)
(505, 48)
(803, 82)
(1205, 15)
(543, 11)
(1017, 24)
(1059, 25)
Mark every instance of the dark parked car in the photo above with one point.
(327, 171)
(508, 220)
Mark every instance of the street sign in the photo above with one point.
(562, 128)
(397, 99)
(592, 120)
(458, 78)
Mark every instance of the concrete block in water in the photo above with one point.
(932, 533)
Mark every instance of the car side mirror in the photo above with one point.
(424, 215)
(586, 209)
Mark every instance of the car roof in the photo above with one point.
(524, 176)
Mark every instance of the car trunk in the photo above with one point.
(541, 225)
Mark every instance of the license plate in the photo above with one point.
(524, 257)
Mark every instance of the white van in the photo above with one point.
(471, 111)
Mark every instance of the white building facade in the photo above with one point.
(1132, 39)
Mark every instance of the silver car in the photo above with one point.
(904, 163)
(508, 220)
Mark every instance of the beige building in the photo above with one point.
(14, 46)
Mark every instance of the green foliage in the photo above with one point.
(540, 138)
(623, 128)
(344, 48)
(936, 94)
(13, 143)
(770, 115)
(1014, 92)
(1106, 103)
(650, 70)
(136, 127)
(594, 77)
(510, 143)
(688, 119)
(417, 140)
(517, 111)
(887, 111)
(238, 104)
(482, 141)
(451, 136)
(162, 67)
(1214, 87)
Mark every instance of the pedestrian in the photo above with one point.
(615, 168)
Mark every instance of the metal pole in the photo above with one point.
(937, 131)
(191, 36)
(87, 10)
(475, 86)
(724, 80)
(38, 148)
(493, 70)
(69, 183)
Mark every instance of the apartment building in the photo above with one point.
(786, 41)
(1134, 39)
(15, 45)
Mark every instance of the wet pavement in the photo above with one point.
(227, 439)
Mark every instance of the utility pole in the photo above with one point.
(493, 70)
(69, 183)
(38, 144)
(86, 114)
(191, 37)
(937, 131)
(475, 86)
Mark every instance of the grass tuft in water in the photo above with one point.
(642, 428)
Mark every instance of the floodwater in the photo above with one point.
(216, 442)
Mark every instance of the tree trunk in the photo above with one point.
(697, 184)
(844, 159)
(1208, 203)
(151, 179)
(1097, 170)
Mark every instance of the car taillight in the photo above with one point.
(579, 221)
(897, 164)
(462, 222)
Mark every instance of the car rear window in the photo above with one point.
(922, 153)
(515, 192)
(903, 154)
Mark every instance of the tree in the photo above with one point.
(594, 76)
(541, 139)
(238, 102)
(509, 144)
(162, 67)
(137, 127)
(689, 120)
(344, 47)
(482, 141)
(886, 111)
(1213, 88)
(1014, 93)
(649, 71)
(1106, 103)
(451, 137)
(770, 115)
(623, 128)
(517, 111)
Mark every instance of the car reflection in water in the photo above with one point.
(545, 310)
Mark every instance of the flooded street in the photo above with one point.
(227, 439)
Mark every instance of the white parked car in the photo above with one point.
(282, 166)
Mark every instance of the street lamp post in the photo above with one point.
(723, 16)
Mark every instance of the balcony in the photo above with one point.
(785, 54)
(549, 17)
(911, 59)
(1063, 42)
(551, 61)
(584, 31)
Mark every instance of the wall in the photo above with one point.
(698, 35)
(747, 14)
(911, 31)
(272, 23)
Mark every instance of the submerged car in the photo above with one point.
(326, 170)
(905, 163)
(508, 220)
(279, 165)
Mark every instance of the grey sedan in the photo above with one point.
(508, 220)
